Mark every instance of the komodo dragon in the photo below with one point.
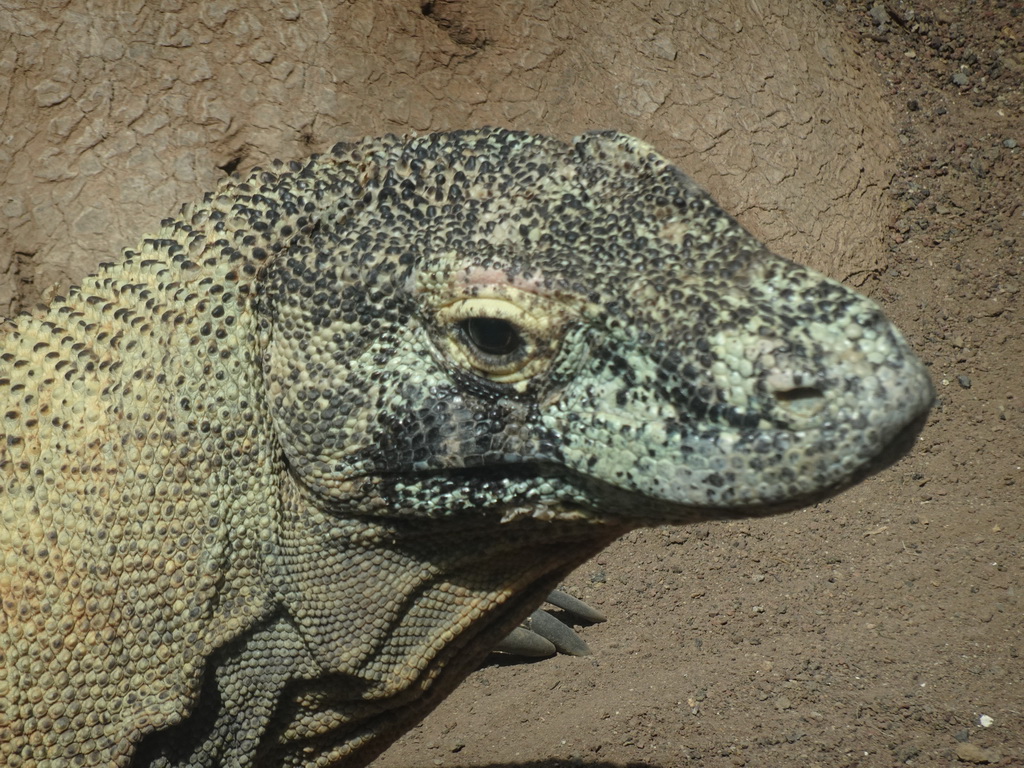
(276, 481)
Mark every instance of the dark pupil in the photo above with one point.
(491, 335)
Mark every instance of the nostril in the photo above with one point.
(803, 401)
(796, 392)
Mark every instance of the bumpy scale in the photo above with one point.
(276, 481)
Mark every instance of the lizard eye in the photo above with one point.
(497, 338)
(492, 335)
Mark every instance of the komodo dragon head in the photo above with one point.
(363, 412)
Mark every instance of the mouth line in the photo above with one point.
(572, 490)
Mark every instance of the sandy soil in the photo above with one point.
(881, 628)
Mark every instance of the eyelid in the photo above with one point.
(479, 306)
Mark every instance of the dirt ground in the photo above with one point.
(114, 114)
(882, 628)
(886, 626)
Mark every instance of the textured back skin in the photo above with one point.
(275, 482)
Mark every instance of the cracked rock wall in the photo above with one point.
(113, 114)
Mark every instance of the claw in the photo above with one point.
(580, 611)
(544, 635)
(524, 642)
(562, 636)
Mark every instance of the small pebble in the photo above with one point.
(1010, 144)
(879, 14)
(972, 753)
(965, 381)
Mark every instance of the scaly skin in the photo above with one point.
(276, 481)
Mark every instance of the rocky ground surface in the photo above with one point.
(886, 626)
